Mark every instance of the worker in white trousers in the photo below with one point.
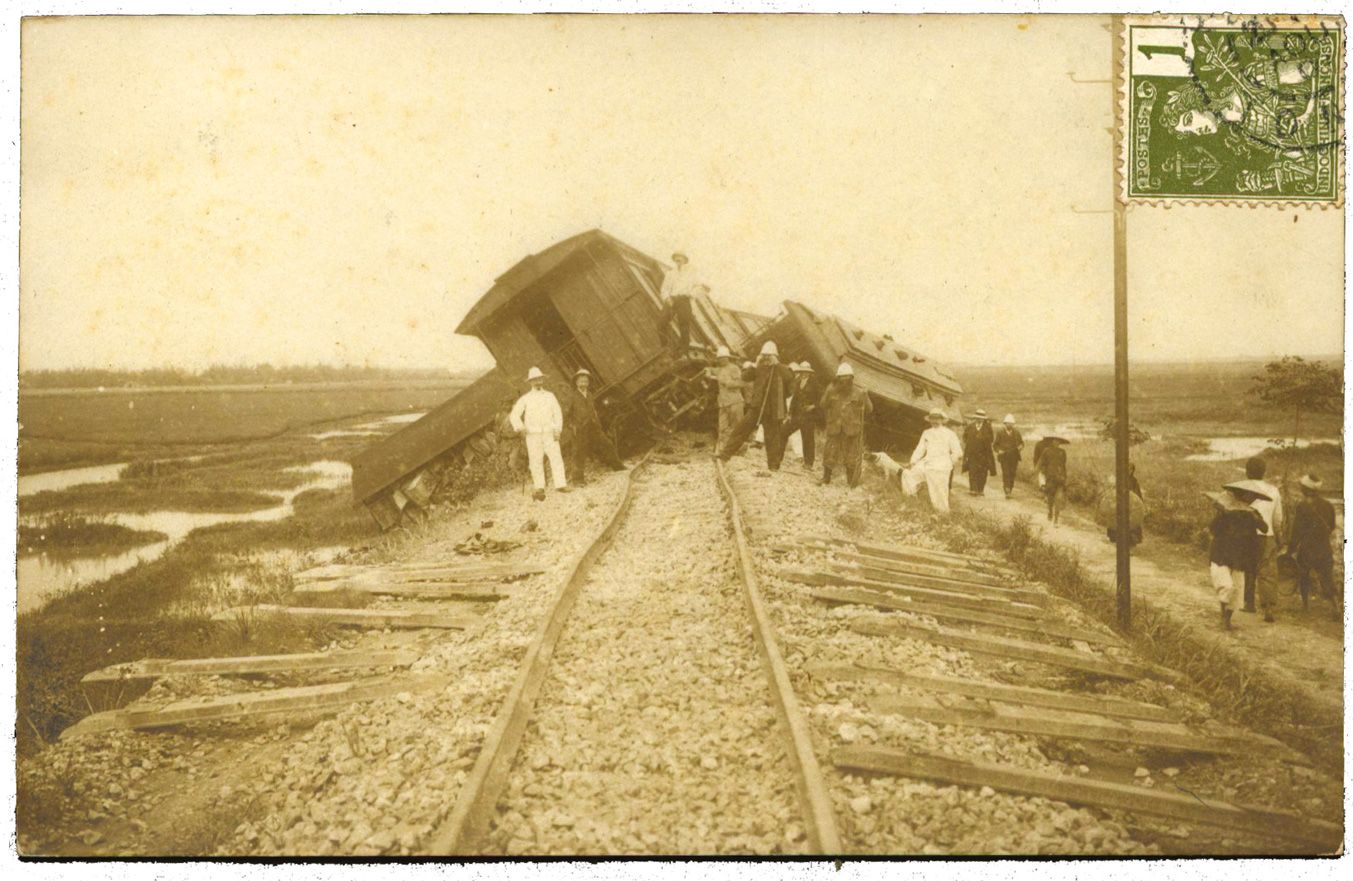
(933, 461)
(538, 417)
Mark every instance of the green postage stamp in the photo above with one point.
(1233, 109)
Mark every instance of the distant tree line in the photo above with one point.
(223, 374)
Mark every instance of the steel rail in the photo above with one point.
(465, 827)
(815, 803)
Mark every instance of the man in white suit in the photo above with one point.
(538, 417)
(938, 451)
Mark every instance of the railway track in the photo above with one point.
(734, 665)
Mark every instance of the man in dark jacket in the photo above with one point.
(803, 410)
(1008, 445)
(1234, 528)
(585, 437)
(771, 384)
(1312, 524)
(979, 458)
(846, 406)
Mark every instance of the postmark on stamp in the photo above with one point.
(1233, 109)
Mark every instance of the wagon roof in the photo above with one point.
(531, 269)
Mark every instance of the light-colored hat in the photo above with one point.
(680, 255)
(1009, 419)
(746, 365)
(722, 352)
(1253, 487)
(935, 415)
(844, 369)
(582, 371)
(980, 413)
(769, 348)
(534, 373)
(1310, 481)
(1228, 501)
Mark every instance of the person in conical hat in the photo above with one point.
(979, 452)
(1008, 445)
(933, 461)
(772, 384)
(1234, 529)
(1050, 462)
(846, 407)
(1313, 525)
(538, 418)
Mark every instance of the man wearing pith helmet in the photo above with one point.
(846, 407)
(729, 400)
(771, 384)
(537, 417)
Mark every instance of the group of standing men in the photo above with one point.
(538, 418)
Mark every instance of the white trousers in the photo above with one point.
(1229, 584)
(936, 485)
(538, 446)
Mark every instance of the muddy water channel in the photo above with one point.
(43, 575)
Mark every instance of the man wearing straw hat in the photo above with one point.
(678, 286)
(1312, 524)
(803, 411)
(585, 435)
(937, 453)
(537, 417)
(1234, 529)
(770, 387)
(729, 397)
(846, 406)
(1008, 445)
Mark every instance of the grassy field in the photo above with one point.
(64, 533)
(88, 427)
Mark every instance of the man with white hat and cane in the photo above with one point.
(770, 386)
(979, 456)
(937, 453)
(730, 399)
(1008, 444)
(538, 418)
(846, 406)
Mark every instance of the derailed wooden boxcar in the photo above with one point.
(590, 301)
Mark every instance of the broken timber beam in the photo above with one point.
(933, 570)
(413, 590)
(1039, 627)
(354, 617)
(154, 668)
(911, 552)
(1005, 648)
(1189, 808)
(1009, 594)
(303, 699)
(1059, 725)
(441, 573)
(1020, 694)
(823, 579)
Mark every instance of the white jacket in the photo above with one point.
(537, 412)
(938, 450)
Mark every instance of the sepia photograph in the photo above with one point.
(663, 436)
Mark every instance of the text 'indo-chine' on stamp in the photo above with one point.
(1233, 109)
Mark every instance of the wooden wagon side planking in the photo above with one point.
(592, 301)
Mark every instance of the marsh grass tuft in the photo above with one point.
(64, 533)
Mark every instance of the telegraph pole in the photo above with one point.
(1120, 340)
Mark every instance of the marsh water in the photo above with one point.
(42, 576)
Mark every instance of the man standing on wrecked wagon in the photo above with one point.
(678, 286)
(846, 407)
(769, 389)
(537, 417)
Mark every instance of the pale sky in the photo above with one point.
(341, 190)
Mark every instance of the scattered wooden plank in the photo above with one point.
(1009, 594)
(911, 552)
(1040, 627)
(963, 600)
(1263, 823)
(303, 699)
(1060, 725)
(154, 668)
(441, 573)
(354, 617)
(1015, 694)
(946, 572)
(1005, 648)
(413, 590)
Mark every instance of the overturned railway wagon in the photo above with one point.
(591, 301)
